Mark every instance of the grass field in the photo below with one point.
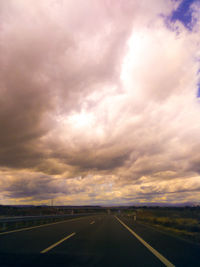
(184, 222)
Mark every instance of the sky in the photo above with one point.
(99, 102)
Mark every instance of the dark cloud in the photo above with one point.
(45, 68)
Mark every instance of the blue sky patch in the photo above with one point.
(198, 92)
(184, 13)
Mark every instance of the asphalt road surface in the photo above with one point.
(101, 240)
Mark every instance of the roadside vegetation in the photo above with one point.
(9, 211)
(184, 222)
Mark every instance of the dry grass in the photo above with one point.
(182, 226)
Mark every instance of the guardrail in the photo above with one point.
(11, 223)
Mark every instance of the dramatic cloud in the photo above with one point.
(99, 101)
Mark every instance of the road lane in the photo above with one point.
(23, 248)
(105, 243)
(56, 244)
(180, 252)
(165, 261)
(37, 239)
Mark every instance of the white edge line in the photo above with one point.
(38, 226)
(56, 244)
(155, 252)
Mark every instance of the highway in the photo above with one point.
(99, 240)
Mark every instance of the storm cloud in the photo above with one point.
(99, 102)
